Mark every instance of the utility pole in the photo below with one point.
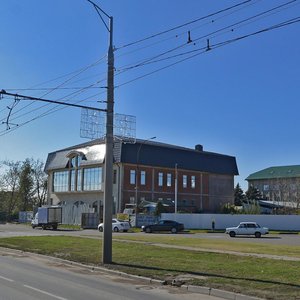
(109, 143)
(176, 190)
(108, 167)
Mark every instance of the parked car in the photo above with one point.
(247, 228)
(164, 225)
(117, 226)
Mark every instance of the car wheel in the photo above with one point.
(232, 234)
(257, 234)
(174, 230)
(116, 229)
(148, 230)
(100, 229)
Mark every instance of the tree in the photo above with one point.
(10, 184)
(22, 186)
(239, 195)
(253, 193)
(39, 181)
(26, 191)
(159, 209)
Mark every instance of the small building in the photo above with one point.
(278, 185)
(146, 171)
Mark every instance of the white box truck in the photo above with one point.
(47, 217)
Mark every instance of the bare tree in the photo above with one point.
(10, 183)
(40, 181)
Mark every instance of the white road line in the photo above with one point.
(7, 279)
(44, 292)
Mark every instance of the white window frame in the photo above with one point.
(132, 178)
(184, 181)
(160, 179)
(143, 178)
(193, 181)
(169, 179)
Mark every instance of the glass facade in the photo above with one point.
(61, 181)
(92, 179)
(77, 179)
(72, 180)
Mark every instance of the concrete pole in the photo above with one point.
(176, 190)
(108, 166)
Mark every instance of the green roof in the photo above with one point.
(276, 172)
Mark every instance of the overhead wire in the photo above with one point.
(212, 34)
(198, 52)
(76, 73)
(192, 29)
(183, 25)
(204, 49)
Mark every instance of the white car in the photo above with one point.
(247, 228)
(116, 226)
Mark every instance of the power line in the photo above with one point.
(152, 59)
(76, 74)
(183, 25)
(194, 52)
(212, 47)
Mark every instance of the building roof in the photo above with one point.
(148, 153)
(276, 172)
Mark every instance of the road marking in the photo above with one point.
(7, 279)
(44, 292)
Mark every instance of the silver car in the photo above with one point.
(247, 228)
(116, 226)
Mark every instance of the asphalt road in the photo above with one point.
(32, 277)
(7, 230)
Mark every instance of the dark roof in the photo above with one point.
(153, 154)
(164, 155)
(276, 172)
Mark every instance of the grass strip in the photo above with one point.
(204, 243)
(261, 277)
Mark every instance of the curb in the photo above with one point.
(191, 288)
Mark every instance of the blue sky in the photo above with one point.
(240, 99)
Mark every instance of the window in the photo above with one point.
(73, 180)
(61, 181)
(169, 179)
(79, 178)
(160, 179)
(132, 176)
(115, 177)
(266, 187)
(143, 177)
(184, 181)
(193, 182)
(92, 179)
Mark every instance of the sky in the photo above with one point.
(223, 74)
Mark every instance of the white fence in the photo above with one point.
(204, 221)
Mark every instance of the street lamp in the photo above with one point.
(137, 170)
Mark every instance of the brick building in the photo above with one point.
(144, 172)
